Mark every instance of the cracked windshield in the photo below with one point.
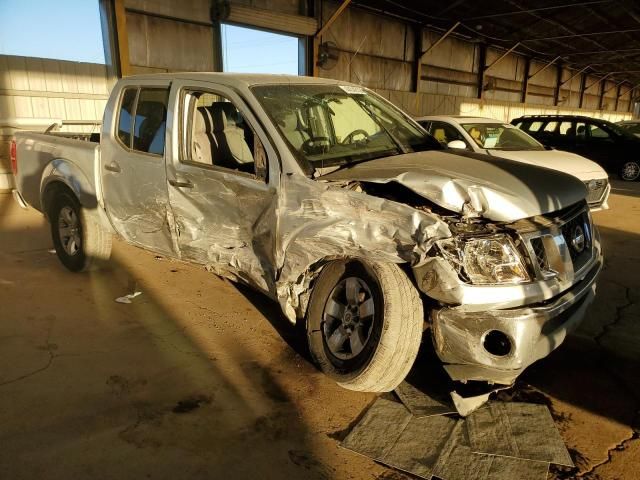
(335, 125)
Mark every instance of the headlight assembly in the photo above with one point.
(486, 260)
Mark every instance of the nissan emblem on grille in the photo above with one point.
(577, 239)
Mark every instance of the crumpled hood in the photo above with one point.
(501, 190)
(566, 162)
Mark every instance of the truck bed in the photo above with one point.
(71, 156)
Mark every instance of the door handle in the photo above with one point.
(180, 183)
(112, 167)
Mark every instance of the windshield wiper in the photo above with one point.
(351, 163)
(398, 143)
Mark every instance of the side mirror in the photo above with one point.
(457, 144)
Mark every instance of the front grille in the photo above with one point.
(540, 253)
(566, 237)
(595, 191)
(577, 235)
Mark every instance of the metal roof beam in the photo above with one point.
(542, 69)
(501, 57)
(574, 76)
(540, 9)
(440, 40)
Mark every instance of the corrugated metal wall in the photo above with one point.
(376, 51)
(37, 88)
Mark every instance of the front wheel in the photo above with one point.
(364, 324)
(81, 243)
(630, 171)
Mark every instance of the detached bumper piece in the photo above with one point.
(497, 345)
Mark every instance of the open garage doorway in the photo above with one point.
(249, 50)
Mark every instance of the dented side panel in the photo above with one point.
(320, 221)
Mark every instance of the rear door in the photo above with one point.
(133, 167)
(223, 176)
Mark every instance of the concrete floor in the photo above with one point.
(198, 378)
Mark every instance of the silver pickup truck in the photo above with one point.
(336, 204)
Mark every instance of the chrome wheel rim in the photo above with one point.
(348, 318)
(630, 171)
(69, 231)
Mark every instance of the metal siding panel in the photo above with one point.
(17, 73)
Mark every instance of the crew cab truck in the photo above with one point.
(336, 204)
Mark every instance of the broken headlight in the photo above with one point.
(486, 260)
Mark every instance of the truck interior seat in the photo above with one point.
(232, 148)
(293, 130)
(203, 141)
(147, 138)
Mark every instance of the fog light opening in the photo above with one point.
(497, 343)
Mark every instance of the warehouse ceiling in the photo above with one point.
(602, 36)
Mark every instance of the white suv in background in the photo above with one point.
(493, 137)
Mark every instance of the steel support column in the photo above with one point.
(417, 61)
(556, 91)
(583, 82)
(124, 67)
(525, 80)
(482, 61)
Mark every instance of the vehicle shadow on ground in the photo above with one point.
(628, 189)
(132, 390)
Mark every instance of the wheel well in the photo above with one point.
(50, 192)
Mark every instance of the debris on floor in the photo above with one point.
(502, 441)
(127, 298)
(466, 405)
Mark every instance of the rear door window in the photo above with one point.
(125, 117)
(142, 119)
(151, 120)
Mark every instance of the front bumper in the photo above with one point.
(534, 332)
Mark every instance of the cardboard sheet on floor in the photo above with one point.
(458, 462)
(378, 430)
(520, 430)
(427, 446)
(421, 404)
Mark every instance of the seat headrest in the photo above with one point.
(202, 121)
(149, 109)
(224, 115)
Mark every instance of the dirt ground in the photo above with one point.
(199, 378)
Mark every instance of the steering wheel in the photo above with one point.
(349, 138)
(316, 145)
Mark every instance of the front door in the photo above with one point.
(133, 170)
(222, 188)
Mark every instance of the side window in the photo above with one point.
(125, 117)
(581, 131)
(217, 134)
(151, 120)
(444, 133)
(550, 127)
(535, 126)
(567, 129)
(596, 132)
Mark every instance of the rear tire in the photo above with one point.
(375, 357)
(80, 241)
(630, 171)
